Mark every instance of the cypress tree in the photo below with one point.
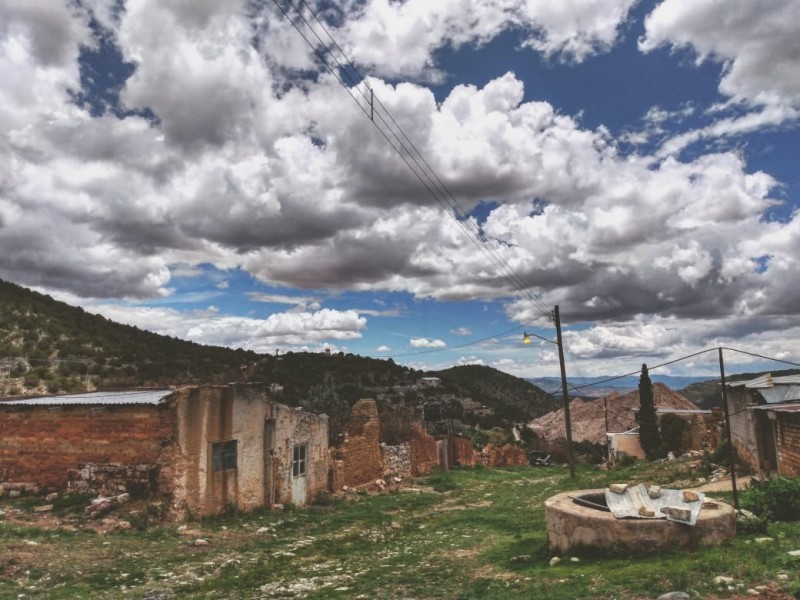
(649, 436)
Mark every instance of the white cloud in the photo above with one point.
(426, 343)
(400, 38)
(461, 331)
(278, 330)
(470, 360)
(756, 42)
(384, 348)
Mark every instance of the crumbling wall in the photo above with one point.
(42, 443)
(114, 479)
(789, 444)
(360, 453)
(424, 454)
(295, 427)
(465, 455)
(396, 460)
(503, 456)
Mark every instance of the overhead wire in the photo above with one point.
(412, 157)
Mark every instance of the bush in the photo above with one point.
(673, 431)
(778, 500)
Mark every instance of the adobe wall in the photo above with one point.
(424, 454)
(360, 453)
(504, 456)
(788, 444)
(296, 427)
(42, 443)
(210, 414)
(465, 455)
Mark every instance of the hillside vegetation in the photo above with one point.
(49, 347)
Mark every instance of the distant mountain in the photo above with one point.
(621, 385)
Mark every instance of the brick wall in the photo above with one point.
(789, 444)
(42, 443)
(360, 453)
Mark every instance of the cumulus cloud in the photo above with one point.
(400, 38)
(426, 343)
(292, 185)
(756, 42)
(384, 348)
(278, 330)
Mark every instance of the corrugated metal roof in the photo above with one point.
(774, 389)
(781, 408)
(94, 398)
(627, 504)
(780, 393)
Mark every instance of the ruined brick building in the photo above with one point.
(201, 448)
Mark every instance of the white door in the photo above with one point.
(299, 474)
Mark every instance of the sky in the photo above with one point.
(206, 170)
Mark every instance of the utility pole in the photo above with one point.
(732, 455)
(605, 418)
(564, 392)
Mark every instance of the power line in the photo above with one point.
(411, 156)
(432, 350)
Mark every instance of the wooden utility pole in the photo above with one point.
(732, 455)
(564, 392)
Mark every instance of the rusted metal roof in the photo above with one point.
(95, 399)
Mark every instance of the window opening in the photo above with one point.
(223, 455)
(299, 456)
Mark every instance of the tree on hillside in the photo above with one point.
(649, 436)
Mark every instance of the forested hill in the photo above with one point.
(49, 347)
(511, 396)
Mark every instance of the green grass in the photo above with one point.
(459, 536)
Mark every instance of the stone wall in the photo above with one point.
(114, 479)
(360, 453)
(42, 443)
(397, 460)
(789, 444)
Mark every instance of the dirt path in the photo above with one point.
(724, 485)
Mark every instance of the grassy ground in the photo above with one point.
(476, 533)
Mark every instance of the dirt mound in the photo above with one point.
(588, 423)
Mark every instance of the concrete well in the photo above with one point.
(571, 526)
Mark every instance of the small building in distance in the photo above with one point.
(765, 422)
(202, 449)
(429, 382)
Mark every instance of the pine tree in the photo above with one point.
(649, 436)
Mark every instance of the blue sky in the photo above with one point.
(193, 168)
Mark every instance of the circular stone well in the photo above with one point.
(571, 526)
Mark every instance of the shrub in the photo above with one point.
(778, 500)
(673, 431)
